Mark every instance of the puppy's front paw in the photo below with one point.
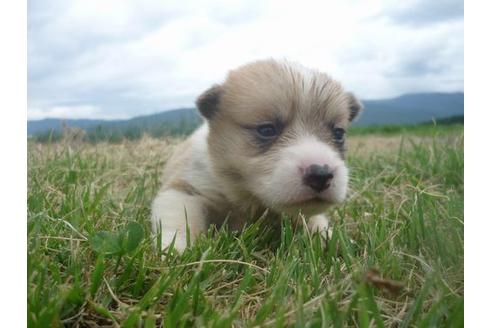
(179, 240)
(320, 223)
(174, 213)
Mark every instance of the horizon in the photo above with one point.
(194, 107)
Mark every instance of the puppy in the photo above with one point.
(274, 139)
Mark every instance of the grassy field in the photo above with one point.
(395, 258)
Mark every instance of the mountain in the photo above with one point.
(171, 117)
(406, 109)
(55, 124)
(411, 109)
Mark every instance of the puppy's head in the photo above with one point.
(277, 135)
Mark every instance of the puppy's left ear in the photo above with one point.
(355, 106)
(208, 102)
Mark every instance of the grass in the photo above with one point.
(91, 260)
(426, 129)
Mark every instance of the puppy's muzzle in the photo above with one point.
(318, 177)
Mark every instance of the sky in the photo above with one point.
(113, 59)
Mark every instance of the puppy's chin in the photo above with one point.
(309, 205)
(307, 208)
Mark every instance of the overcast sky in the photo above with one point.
(122, 58)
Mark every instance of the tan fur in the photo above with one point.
(221, 171)
(281, 89)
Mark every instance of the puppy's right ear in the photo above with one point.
(355, 106)
(208, 102)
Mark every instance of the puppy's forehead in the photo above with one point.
(268, 90)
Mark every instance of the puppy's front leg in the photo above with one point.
(320, 223)
(171, 210)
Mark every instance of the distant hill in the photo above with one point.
(406, 109)
(172, 119)
(55, 124)
(411, 109)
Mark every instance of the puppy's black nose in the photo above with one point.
(318, 177)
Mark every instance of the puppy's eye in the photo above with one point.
(338, 134)
(267, 131)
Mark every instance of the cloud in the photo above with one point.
(422, 12)
(75, 112)
(128, 58)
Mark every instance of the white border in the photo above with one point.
(478, 163)
(13, 98)
(478, 144)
